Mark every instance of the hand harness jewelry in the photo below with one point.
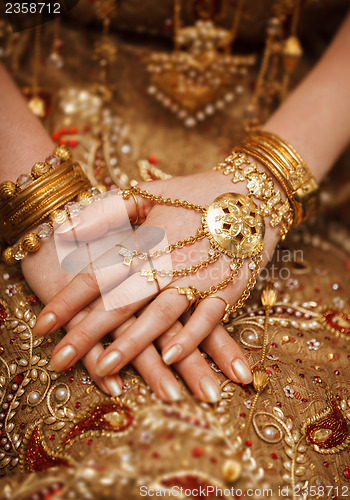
(234, 223)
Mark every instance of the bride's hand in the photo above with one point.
(124, 294)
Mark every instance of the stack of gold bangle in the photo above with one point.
(288, 168)
(35, 197)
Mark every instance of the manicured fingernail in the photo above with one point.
(172, 354)
(63, 358)
(112, 386)
(68, 226)
(171, 388)
(44, 324)
(242, 371)
(210, 388)
(108, 363)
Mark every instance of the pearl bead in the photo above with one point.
(269, 432)
(61, 394)
(33, 397)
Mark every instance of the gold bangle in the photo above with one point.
(287, 165)
(39, 185)
(52, 203)
(37, 199)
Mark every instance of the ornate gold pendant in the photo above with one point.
(234, 225)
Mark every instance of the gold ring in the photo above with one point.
(134, 222)
(154, 272)
(227, 311)
(190, 292)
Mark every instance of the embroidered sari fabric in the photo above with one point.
(61, 437)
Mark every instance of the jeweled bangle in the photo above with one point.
(9, 189)
(261, 187)
(35, 197)
(288, 167)
(31, 242)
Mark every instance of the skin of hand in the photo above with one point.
(159, 316)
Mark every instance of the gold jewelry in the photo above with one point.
(227, 311)
(131, 193)
(190, 293)
(36, 196)
(239, 236)
(261, 187)
(155, 279)
(288, 167)
(200, 75)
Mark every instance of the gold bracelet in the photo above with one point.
(38, 195)
(9, 189)
(289, 168)
(31, 242)
(67, 192)
(261, 187)
(62, 179)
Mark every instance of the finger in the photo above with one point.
(194, 370)
(80, 291)
(150, 366)
(110, 385)
(102, 275)
(156, 319)
(227, 355)
(202, 322)
(111, 211)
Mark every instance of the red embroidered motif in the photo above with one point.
(328, 430)
(37, 458)
(112, 417)
(337, 321)
(3, 314)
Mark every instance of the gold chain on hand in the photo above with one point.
(160, 200)
(234, 226)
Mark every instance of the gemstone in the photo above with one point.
(94, 191)
(321, 435)
(18, 252)
(24, 180)
(74, 208)
(53, 161)
(44, 231)
(347, 473)
(252, 265)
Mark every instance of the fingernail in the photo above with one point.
(210, 389)
(68, 226)
(172, 354)
(63, 358)
(44, 324)
(242, 371)
(107, 363)
(171, 388)
(113, 386)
